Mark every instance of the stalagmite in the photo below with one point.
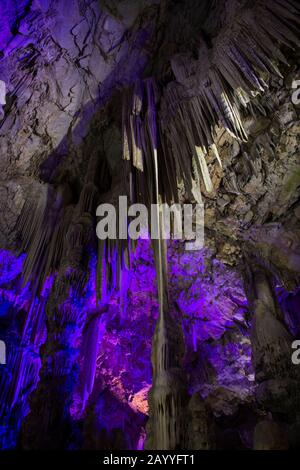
(271, 349)
(270, 339)
(168, 397)
(201, 429)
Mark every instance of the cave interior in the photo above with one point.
(142, 344)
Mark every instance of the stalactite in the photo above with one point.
(2, 98)
(43, 235)
(216, 154)
(204, 169)
(124, 286)
(194, 337)
(91, 337)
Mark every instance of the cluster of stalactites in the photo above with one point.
(215, 90)
(147, 168)
(140, 143)
(140, 140)
(221, 85)
(53, 226)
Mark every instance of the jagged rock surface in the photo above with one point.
(67, 76)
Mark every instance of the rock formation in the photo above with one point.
(164, 102)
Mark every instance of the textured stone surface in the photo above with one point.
(67, 70)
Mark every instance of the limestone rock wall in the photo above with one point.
(207, 87)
